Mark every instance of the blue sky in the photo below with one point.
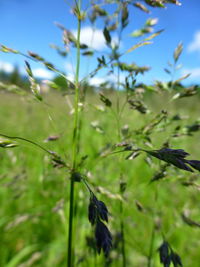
(29, 25)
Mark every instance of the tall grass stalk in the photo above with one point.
(118, 118)
(74, 143)
(123, 250)
(150, 256)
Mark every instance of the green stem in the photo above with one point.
(149, 264)
(26, 140)
(70, 229)
(122, 236)
(70, 262)
(118, 118)
(87, 186)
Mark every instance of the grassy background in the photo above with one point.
(34, 195)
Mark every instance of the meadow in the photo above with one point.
(35, 196)
(104, 176)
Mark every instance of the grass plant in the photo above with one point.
(111, 158)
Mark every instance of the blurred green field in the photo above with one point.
(34, 195)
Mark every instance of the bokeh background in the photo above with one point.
(30, 25)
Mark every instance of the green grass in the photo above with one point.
(33, 219)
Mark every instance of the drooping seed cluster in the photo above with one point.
(168, 256)
(97, 213)
(176, 157)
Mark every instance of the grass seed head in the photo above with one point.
(92, 213)
(103, 238)
(103, 211)
(176, 259)
(164, 253)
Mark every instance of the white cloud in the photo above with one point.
(195, 73)
(42, 73)
(194, 46)
(69, 67)
(70, 77)
(96, 81)
(6, 66)
(93, 38)
(114, 78)
(38, 72)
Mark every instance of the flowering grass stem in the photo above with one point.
(74, 144)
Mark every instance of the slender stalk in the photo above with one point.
(119, 113)
(149, 264)
(70, 229)
(26, 140)
(70, 262)
(123, 250)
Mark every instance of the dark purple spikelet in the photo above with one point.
(97, 209)
(175, 157)
(103, 238)
(176, 259)
(195, 164)
(181, 164)
(92, 213)
(168, 256)
(103, 211)
(164, 253)
(176, 152)
(97, 213)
